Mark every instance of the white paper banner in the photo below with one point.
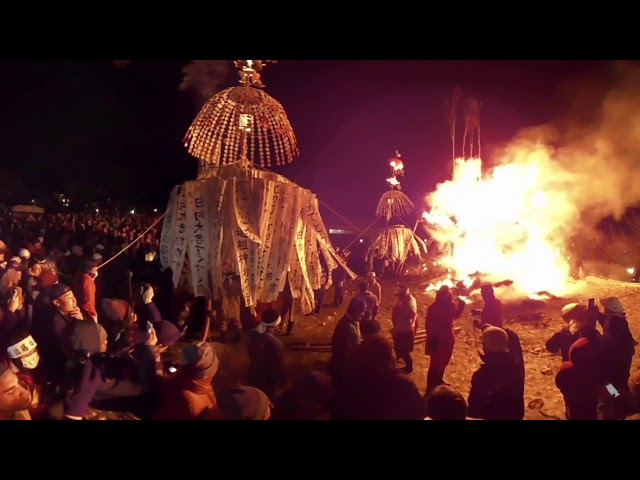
(312, 259)
(179, 245)
(198, 222)
(217, 190)
(300, 284)
(290, 216)
(311, 214)
(168, 230)
(268, 229)
(248, 203)
(246, 228)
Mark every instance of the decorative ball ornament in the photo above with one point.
(397, 170)
(242, 124)
(394, 203)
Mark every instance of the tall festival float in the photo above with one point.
(396, 240)
(240, 217)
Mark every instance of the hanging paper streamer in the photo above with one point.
(255, 224)
(199, 243)
(179, 246)
(217, 189)
(168, 230)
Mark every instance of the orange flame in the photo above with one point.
(504, 226)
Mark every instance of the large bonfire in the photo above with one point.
(504, 225)
(514, 221)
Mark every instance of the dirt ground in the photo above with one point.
(534, 322)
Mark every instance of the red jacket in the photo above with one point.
(85, 292)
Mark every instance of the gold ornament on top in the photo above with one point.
(394, 203)
(242, 124)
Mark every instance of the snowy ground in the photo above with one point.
(534, 322)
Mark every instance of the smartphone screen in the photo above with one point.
(612, 391)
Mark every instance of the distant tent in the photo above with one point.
(28, 209)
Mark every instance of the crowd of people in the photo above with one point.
(77, 337)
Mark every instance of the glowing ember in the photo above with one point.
(393, 181)
(505, 225)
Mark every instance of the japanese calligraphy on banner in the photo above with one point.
(184, 285)
(197, 225)
(168, 227)
(246, 235)
(267, 230)
(312, 259)
(290, 214)
(311, 214)
(277, 239)
(248, 202)
(217, 191)
(255, 224)
(299, 279)
(179, 245)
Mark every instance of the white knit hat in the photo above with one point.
(612, 305)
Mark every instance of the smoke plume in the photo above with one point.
(596, 166)
(205, 78)
(548, 184)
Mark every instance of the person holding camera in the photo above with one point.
(619, 346)
(189, 394)
(13, 314)
(119, 390)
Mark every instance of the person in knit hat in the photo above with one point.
(561, 341)
(189, 395)
(497, 387)
(164, 334)
(308, 399)
(266, 355)
(578, 384)
(445, 403)
(47, 279)
(244, 403)
(495, 339)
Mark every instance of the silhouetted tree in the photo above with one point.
(451, 111)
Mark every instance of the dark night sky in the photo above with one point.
(121, 129)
